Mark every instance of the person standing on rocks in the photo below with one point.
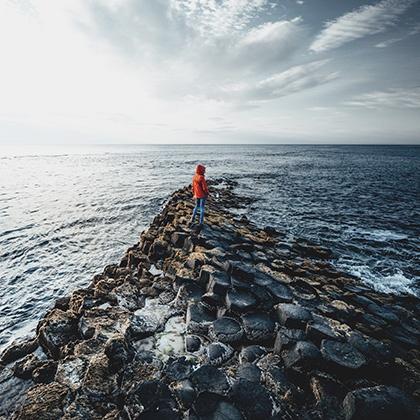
(200, 192)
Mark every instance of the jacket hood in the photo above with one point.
(200, 169)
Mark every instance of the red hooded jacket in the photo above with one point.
(199, 185)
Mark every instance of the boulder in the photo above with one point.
(24, 368)
(198, 318)
(251, 354)
(45, 372)
(151, 400)
(119, 352)
(18, 349)
(292, 316)
(99, 383)
(44, 402)
(249, 371)
(302, 354)
(219, 282)
(226, 330)
(239, 301)
(70, 371)
(379, 402)
(286, 338)
(252, 399)
(178, 239)
(192, 343)
(258, 326)
(209, 378)
(342, 355)
(318, 331)
(177, 369)
(218, 353)
(55, 331)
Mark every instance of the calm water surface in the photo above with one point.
(67, 212)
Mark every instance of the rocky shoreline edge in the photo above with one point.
(228, 322)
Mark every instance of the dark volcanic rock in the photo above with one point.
(192, 343)
(18, 349)
(55, 331)
(342, 354)
(219, 282)
(250, 372)
(177, 369)
(45, 372)
(218, 353)
(118, 352)
(144, 325)
(370, 347)
(99, 382)
(252, 353)
(252, 399)
(317, 331)
(240, 300)
(286, 338)
(379, 402)
(258, 326)
(226, 330)
(293, 316)
(198, 318)
(70, 371)
(209, 378)
(24, 368)
(152, 399)
(44, 402)
(303, 353)
(185, 393)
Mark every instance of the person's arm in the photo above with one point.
(204, 186)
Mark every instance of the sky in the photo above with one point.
(209, 71)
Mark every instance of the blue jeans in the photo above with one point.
(199, 206)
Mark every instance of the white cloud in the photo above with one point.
(402, 98)
(212, 18)
(293, 80)
(367, 20)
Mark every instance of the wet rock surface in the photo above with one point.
(227, 321)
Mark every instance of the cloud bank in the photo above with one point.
(367, 20)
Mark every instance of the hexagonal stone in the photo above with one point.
(192, 343)
(252, 398)
(226, 330)
(252, 353)
(219, 282)
(178, 369)
(286, 338)
(342, 354)
(249, 372)
(318, 331)
(280, 292)
(370, 347)
(379, 402)
(198, 318)
(209, 378)
(218, 353)
(238, 300)
(293, 316)
(258, 326)
(303, 353)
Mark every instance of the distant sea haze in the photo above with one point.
(67, 212)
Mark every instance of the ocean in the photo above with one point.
(66, 212)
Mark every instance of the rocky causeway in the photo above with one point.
(231, 321)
